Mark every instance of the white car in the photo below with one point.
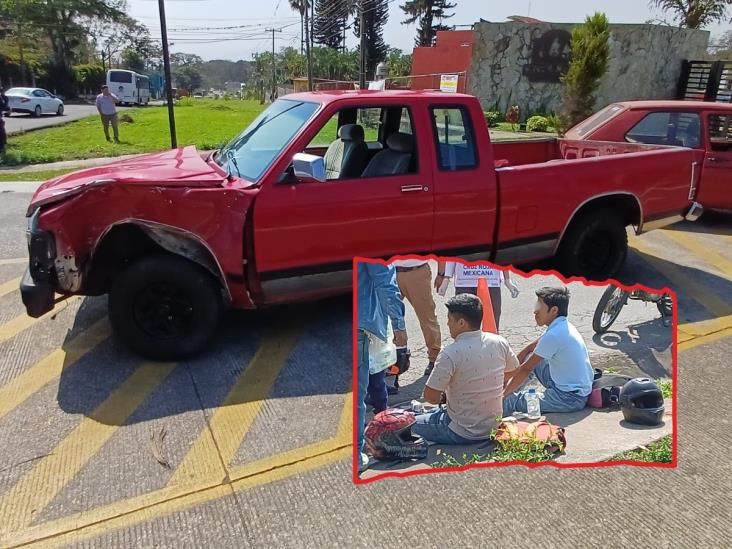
(34, 101)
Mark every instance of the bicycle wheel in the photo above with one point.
(608, 308)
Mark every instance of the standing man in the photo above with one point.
(558, 359)
(4, 107)
(379, 301)
(107, 107)
(465, 278)
(414, 277)
(470, 371)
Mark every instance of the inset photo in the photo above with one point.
(462, 365)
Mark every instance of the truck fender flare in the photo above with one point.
(179, 242)
(588, 201)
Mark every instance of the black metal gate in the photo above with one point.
(706, 81)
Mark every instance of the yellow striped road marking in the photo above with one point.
(50, 367)
(13, 261)
(683, 284)
(699, 250)
(147, 507)
(234, 417)
(9, 286)
(34, 491)
(704, 340)
(22, 322)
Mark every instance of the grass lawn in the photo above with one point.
(34, 176)
(656, 452)
(205, 123)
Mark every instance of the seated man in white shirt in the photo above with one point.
(470, 371)
(558, 359)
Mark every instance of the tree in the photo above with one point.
(131, 59)
(301, 6)
(183, 59)
(695, 14)
(376, 14)
(590, 58)
(187, 77)
(399, 63)
(330, 21)
(430, 14)
(90, 77)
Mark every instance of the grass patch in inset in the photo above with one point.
(660, 451)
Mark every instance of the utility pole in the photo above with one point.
(362, 27)
(168, 77)
(307, 49)
(274, 64)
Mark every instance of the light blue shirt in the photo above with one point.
(379, 300)
(564, 350)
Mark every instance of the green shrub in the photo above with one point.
(492, 118)
(537, 124)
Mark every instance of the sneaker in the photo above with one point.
(109, 139)
(364, 463)
(429, 368)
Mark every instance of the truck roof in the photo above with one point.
(678, 104)
(328, 96)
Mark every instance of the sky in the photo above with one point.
(195, 26)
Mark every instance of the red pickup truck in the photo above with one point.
(703, 126)
(278, 214)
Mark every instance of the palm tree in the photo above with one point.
(301, 6)
(694, 14)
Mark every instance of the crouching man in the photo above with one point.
(558, 359)
(470, 371)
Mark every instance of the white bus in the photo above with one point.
(129, 86)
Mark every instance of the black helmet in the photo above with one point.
(389, 436)
(642, 401)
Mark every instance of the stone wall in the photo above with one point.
(516, 63)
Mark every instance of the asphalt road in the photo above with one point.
(249, 444)
(19, 122)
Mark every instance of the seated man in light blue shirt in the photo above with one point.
(558, 359)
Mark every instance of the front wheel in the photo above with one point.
(165, 307)
(608, 308)
(595, 246)
(60, 110)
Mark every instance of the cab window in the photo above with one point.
(679, 129)
(720, 132)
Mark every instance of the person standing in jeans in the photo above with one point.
(107, 108)
(378, 302)
(465, 278)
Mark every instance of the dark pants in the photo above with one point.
(3, 135)
(376, 393)
(495, 292)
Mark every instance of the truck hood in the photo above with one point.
(182, 167)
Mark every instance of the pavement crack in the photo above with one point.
(35, 458)
(156, 444)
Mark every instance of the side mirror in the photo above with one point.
(309, 167)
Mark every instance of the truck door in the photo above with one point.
(307, 233)
(464, 181)
(715, 189)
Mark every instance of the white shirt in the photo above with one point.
(409, 262)
(464, 276)
(107, 104)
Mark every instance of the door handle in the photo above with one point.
(414, 188)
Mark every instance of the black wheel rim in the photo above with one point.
(163, 311)
(594, 253)
(612, 308)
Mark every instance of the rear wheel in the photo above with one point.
(608, 308)
(165, 307)
(37, 111)
(595, 246)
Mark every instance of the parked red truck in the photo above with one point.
(278, 214)
(700, 125)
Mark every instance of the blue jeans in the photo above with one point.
(363, 384)
(553, 400)
(376, 393)
(435, 428)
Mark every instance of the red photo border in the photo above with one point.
(522, 274)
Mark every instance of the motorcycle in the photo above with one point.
(614, 299)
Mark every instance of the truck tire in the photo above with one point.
(595, 246)
(165, 307)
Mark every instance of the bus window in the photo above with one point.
(123, 77)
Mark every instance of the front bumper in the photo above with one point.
(695, 212)
(37, 286)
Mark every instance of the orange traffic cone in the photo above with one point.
(489, 321)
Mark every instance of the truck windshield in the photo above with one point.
(253, 151)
